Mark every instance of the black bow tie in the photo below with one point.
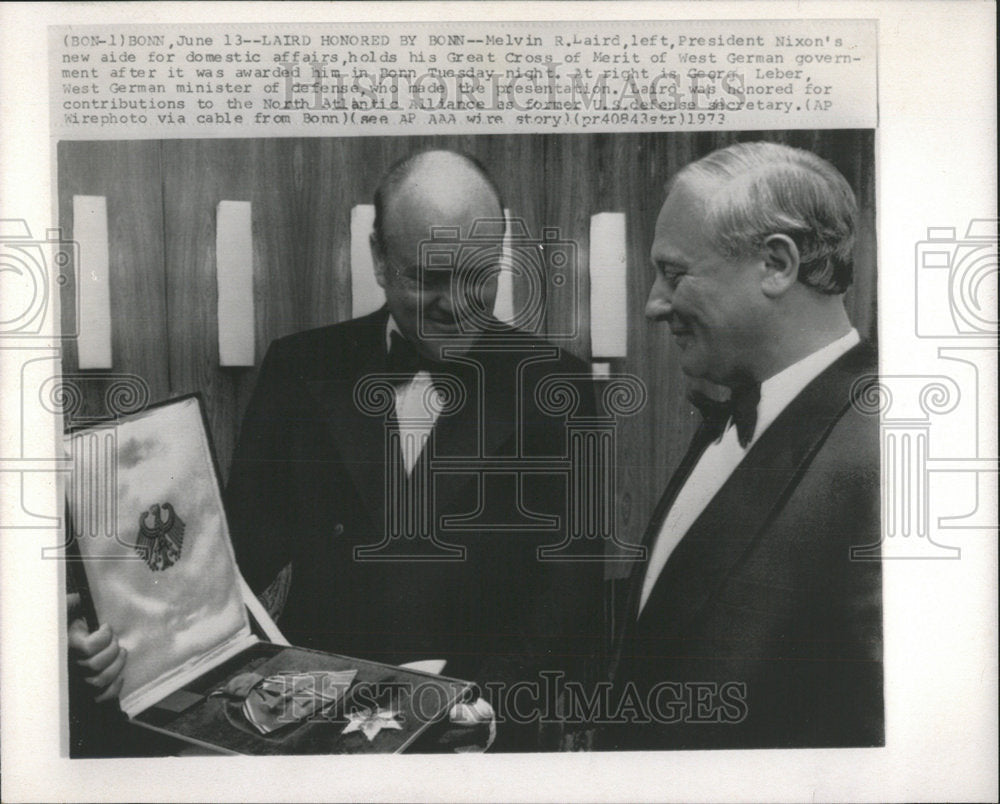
(740, 408)
(403, 358)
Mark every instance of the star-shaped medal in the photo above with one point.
(371, 721)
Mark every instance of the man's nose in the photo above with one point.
(659, 304)
(461, 296)
(442, 298)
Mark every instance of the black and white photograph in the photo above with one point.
(426, 482)
(567, 411)
(468, 528)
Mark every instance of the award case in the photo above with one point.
(148, 524)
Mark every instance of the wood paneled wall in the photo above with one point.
(162, 197)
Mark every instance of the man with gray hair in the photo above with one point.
(753, 623)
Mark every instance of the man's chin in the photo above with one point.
(439, 329)
(682, 334)
(695, 368)
(441, 344)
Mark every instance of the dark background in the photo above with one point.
(162, 198)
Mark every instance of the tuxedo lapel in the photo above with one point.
(483, 423)
(360, 438)
(699, 442)
(739, 512)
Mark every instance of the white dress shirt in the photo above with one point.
(720, 459)
(415, 416)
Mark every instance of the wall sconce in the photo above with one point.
(234, 277)
(608, 289)
(503, 310)
(90, 231)
(366, 295)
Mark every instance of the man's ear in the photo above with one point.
(378, 259)
(781, 265)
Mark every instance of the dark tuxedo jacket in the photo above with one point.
(761, 631)
(307, 486)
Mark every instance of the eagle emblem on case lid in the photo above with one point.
(160, 537)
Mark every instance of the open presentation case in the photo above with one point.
(148, 522)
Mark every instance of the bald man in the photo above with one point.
(342, 469)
